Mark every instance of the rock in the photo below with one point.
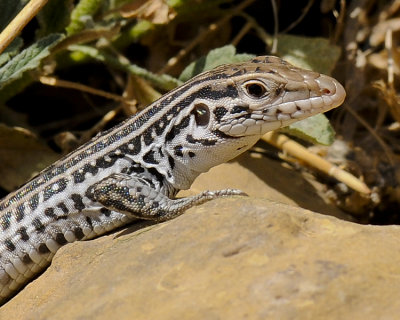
(233, 258)
(262, 177)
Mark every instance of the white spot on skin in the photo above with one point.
(256, 116)
(304, 105)
(283, 117)
(12, 272)
(327, 100)
(52, 245)
(316, 102)
(19, 265)
(249, 122)
(35, 256)
(299, 114)
(269, 119)
(108, 226)
(288, 107)
(69, 236)
(86, 231)
(125, 219)
(98, 229)
(271, 111)
(225, 128)
(237, 129)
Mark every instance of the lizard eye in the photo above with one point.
(255, 89)
(201, 114)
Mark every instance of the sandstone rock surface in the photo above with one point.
(233, 258)
(237, 258)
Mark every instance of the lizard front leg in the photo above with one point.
(132, 196)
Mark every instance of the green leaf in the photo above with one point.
(8, 10)
(54, 17)
(214, 58)
(12, 50)
(316, 54)
(28, 59)
(139, 29)
(84, 11)
(316, 129)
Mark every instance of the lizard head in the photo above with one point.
(265, 94)
(223, 112)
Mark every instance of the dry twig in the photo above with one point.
(19, 22)
(51, 81)
(293, 148)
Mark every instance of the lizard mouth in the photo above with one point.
(289, 108)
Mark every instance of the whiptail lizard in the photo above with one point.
(135, 169)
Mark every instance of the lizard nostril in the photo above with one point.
(326, 91)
